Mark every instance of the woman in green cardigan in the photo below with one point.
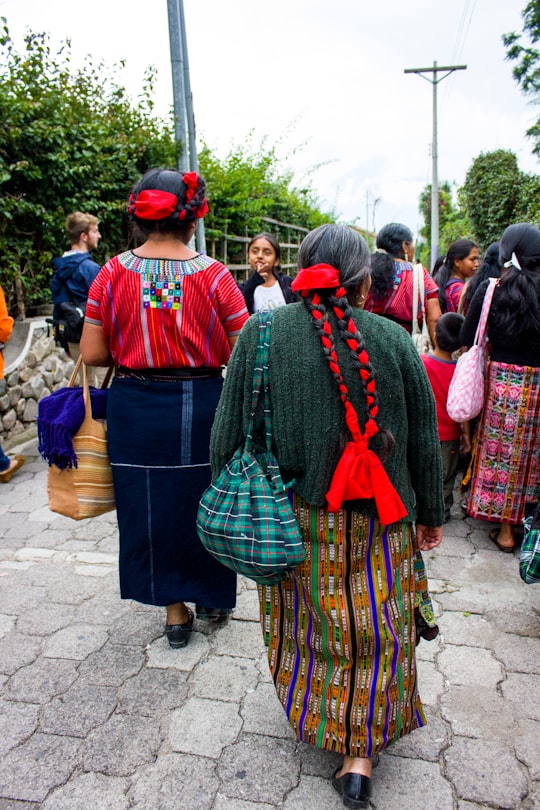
(348, 391)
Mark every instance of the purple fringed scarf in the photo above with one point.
(60, 416)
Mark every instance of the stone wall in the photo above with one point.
(45, 368)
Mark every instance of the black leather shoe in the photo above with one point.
(178, 634)
(209, 614)
(354, 788)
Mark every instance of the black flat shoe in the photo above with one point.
(354, 788)
(210, 614)
(178, 634)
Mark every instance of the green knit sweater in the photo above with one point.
(308, 417)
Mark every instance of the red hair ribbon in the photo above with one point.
(153, 204)
(318, 277)
(190, 180)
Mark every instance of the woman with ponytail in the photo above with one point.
(168, 318)
(506, 462)
(354, 428)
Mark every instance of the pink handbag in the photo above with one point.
(466, 393)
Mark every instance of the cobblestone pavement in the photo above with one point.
(98, 712)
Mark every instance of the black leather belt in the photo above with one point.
(168, 374)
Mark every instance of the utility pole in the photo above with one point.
(447, 70)
(184, 129)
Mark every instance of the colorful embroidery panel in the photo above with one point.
(160, 291)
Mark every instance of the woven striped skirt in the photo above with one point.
(340, 634)
(506, 464)
(159, 437)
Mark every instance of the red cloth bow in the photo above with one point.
(360, 474)
(154, 204)
(318, 277)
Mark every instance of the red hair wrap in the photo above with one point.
(153, 204)
(318, 277)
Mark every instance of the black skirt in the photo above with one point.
(159, 434)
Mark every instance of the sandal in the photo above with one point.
(494, 537)
(8, 474)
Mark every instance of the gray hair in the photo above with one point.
(341, 247)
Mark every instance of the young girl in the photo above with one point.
(460, 264)
(267, 287)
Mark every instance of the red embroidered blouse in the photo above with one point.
(397, 305)
(161, 313)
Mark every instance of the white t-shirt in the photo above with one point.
(265, 298)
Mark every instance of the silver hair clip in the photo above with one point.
(514, 262)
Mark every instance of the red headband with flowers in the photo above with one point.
(359, 473)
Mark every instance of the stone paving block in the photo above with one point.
(25, 530)
(18, 651)
(486, 772)
(50, 538)
(517, 619)
(79, 710)
(94, 571)
(225, 803)
(9, 804)
(470, 806)
(18, 721)
(7, 624)
(93, 558)
(424, 743)
(33, 554)
(121, 745)
(91, 791)
(161, 656)
(204, 727)
(407, 784)
(470, 666)
(76, 641)
(468, 629)
(224, 678)
(30, 771)
(518, 653)
(262, 767)
(243, 639)
(430, 682)
(475, 711)
(151, 691)
(312, 792)
(247, 607)
(138, 628)
(456, 545)
(263, 667)
(465, 598)
(527, 746)
(42, 680)
(94, 530)
(522, 692)
(263, 713)
(317, 762)
(105, 608)
(16, 597)
(175, 782)
(109, 545)
(112, 665)
(45, 619)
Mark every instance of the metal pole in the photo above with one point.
(434, 180)
(367, 218)
(179, 93)
(193, 157)
(448, 69)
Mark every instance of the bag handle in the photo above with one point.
(260, 381)
(418, 292)
(75, 373)
(481, 337)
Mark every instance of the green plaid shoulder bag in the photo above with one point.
(529, 553)
(245, 519)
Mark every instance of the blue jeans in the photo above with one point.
(4, 460)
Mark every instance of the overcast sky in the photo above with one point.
(325, 82)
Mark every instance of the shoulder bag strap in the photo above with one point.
(260, 379)
(418, 292)
(480, 336)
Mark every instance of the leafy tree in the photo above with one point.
(69, 140)
(250, 184)
(453, 221)
(520, 48)
(493, 194)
